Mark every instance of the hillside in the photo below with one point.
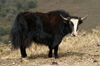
(74, 7)
(8, 11)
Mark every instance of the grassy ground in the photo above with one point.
(82, 50)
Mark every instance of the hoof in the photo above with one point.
(56, 57)
(25, 60)
(50, 56)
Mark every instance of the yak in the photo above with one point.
(43, 28)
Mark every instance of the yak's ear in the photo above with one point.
(84, 17)
(64, 17)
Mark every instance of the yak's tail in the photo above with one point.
(19, 35)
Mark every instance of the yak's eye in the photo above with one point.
(71, 23)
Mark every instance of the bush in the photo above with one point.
(0, 38)
(2, 10)
(2, 31)
(18, 5)
(7, 30)
(24, 8)
(3, 13)
(1, 6)
(5, 40)
(14, 6)
(32, 4)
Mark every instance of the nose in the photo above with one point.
(74, 34)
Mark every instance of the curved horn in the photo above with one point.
(63, 17)
(84, 17)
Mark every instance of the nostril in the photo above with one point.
(72, 35)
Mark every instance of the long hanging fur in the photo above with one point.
(41, 28)
(22, 33)
(18, 33)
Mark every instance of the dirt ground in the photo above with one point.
(84, 56)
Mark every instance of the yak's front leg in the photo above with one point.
(57, 41)
(56, 51)
(50, 52)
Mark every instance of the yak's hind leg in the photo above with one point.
(23, 52)
(56, 51)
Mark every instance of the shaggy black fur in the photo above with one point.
(42, 28)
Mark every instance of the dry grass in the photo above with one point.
(82, 47)
(82, 40)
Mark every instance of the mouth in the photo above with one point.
(74, 34)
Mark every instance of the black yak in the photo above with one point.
(43, 28)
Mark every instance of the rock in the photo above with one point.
(98, 44)
(13, 63)
(95, 61)
(24, 60)
(54, 63)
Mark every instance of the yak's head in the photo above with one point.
(73, 23)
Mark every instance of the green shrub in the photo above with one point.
(32, 4)
(7, 30)
(5, 40)
(2, 10)
(18, 5)
(2, 31)
(3, 13)
(24, 8)
(0, 38)
(12, 7)
(1, 6)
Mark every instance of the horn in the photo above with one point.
(84, 17)
(63, 17)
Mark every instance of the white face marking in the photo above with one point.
(75, 22)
